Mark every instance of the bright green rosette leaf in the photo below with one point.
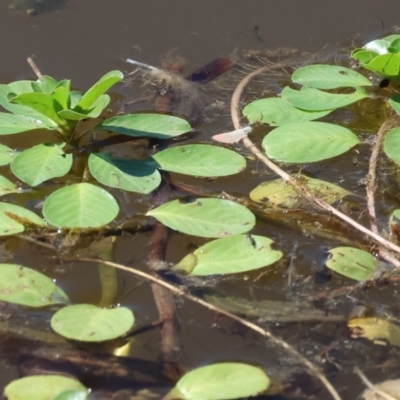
(27, 287)
(73, 395)
(364, 56)
(322, 76)
(221, 381)
(6, 155)
(132, 175)
(277, 193)
(42, 387)
(277, 111)
(159, 126)
(45, 84)
(200, 160)
(14, 218)
(100, 104)
(306, 142)
(6, 186)
(230, 255)
(387, 65)
(97, 90)
(391, 145)
(41, 163)
(353, 263)
(81, 205)
(212, 218)
(394, 102)
(12, 123)
(88, 323)
(316, 100)
(44, 104)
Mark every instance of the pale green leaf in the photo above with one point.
(159, 126)
(230, 255)
(322, 76)
(12, 123)
(41, 163)
(277, 111)
(6, 186)
(41, 387)
(353, 263)
(222, 381)
(6, 155)
(305, 142)
(81, 205)
(200, 160)
(391, 145)
(88, 323)
(27, 287)
(132, 175)
(213, 218)
(316, 100)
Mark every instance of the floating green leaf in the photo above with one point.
(322, 76)
(305, 142)
(72, 395)
(45, 84)
(11, 124)
(205, 217)
(391, 145)
(27, 287)
(316, 100)
(277, 193)
(386, 65)
(364, 56)
(159, 126)
(88, 323)
(98, 89)
(13, 218)
(132, 175)
(41, 163)
(200, 160)
(6, 186)
(6, 155)
(277, 111)
(230, 255)
(41, 387)
(352, 263)
(222, 381)
(81, 205)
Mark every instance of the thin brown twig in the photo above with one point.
(371, 188)
(372, 387)
(34, 67)
(291, 180)
(264, 332)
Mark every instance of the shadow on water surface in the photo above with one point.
(82, 40)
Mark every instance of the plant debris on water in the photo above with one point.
(290, 264)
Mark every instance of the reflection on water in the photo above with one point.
(34, 7)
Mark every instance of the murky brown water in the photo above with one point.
(82, 40)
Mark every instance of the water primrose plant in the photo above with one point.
(297, 138)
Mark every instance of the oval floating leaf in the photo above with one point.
(133, 175)
(41, 387)
(205, 217)
(159, 126)
(27, 287)
(88, 323)
(13, 218)
(277, 193)
(12, 123)
(391, 145)
(6, 155)
(352, 263)
(305, 142)
(230, 255)
(200, 160)
(316, 100)
(322, 76)
(220, 381)
(80, 206)
(6, 186)
(41, 163)
(277, 111)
